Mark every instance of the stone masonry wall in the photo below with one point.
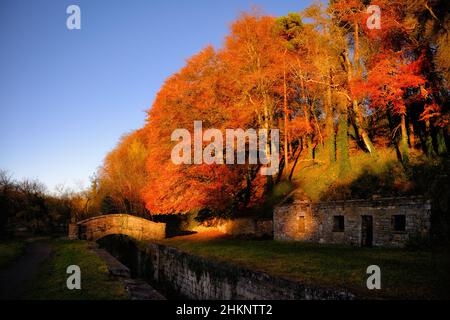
(318, 220)
(198, 278)
(247, 226)
(241, 227)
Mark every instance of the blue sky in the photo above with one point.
(66, 96)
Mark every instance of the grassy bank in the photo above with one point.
(50, 283)
(382, 175)
(9, 251)
(404, 274)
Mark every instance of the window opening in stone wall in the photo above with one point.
(398, 222)
(301, 224)
(338, 224)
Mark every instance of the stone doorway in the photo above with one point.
(366, 231)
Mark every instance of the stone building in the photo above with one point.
(380, 222)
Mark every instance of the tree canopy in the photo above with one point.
(333, 87)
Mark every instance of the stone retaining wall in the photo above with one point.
(247, 227)
(199, 278)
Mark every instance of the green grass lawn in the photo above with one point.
(404, 274)
(50, 283)
(9, 251)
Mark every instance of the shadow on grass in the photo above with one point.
(389, 179)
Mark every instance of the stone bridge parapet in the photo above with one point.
(138, 228)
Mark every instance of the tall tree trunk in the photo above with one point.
(307, 120)
(361, 131)
(267, 126)
(412, 138)
(342, 141)
(359, 119)
(330, 144)
(300, 147)
(429, 140)
(440, 139)
(286, 151)
(404, 140)
(356, 49)
(392, 128)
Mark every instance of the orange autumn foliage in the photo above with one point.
(312, 80)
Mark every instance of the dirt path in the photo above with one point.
(14, 279)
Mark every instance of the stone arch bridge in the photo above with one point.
(138, 228)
